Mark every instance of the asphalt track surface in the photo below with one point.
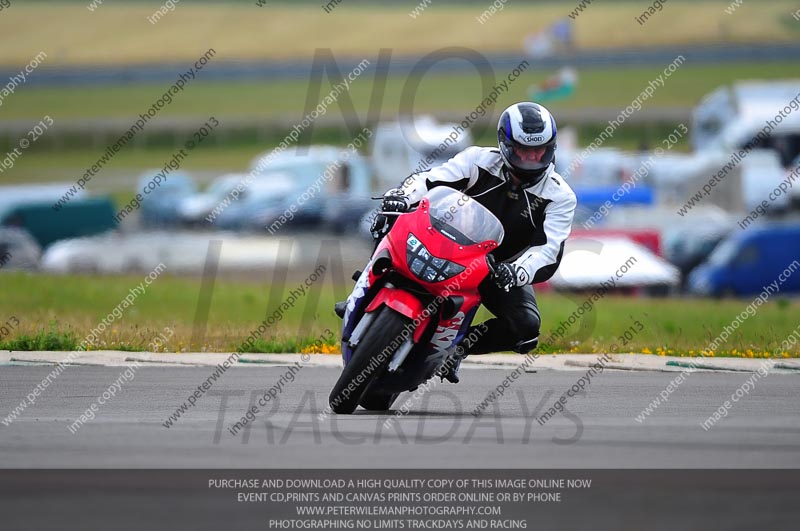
(598, 429)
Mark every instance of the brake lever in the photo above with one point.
(396, 213)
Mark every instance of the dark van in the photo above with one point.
(748, 260)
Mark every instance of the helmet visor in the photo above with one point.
(527, 158)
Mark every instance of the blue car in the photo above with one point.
(160, 208)
(748, 260)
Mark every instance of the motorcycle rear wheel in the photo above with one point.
(366, 360)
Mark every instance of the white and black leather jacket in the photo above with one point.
(537, 220)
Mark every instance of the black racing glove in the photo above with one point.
(505, 276)
(379, 227)
(395, 200)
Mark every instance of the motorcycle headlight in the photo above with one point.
(426, 266)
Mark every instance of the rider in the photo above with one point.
(518, 184)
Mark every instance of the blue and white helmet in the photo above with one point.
(526, 128)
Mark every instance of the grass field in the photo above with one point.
(118, 32)
(439, 94)
(56, 312)
(66, 165)
(60, 158)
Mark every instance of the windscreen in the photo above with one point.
(461, 218)
(724, 254)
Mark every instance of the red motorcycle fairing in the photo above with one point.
(404, 303)
(471, 257)
(463, 287)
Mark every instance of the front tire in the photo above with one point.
(367, 361)
(377, 402)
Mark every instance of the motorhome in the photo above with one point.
(409, 146)
(732, 116)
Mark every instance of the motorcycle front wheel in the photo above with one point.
(370, 359)
(377, 402)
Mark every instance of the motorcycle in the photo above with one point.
(415, 299)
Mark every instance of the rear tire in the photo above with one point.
(385, 329)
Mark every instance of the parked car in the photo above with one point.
(161, 207)
(18, 250)
(688, 247)
(79, 217)
(746, 261)
(343, 215)
(193, 209)
(265, 201)
(333, 188)
(12, 196)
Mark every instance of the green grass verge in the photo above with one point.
(453, 94)
(57, 312)
(64, 158)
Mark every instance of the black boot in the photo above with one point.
(340, 308)
(449, 369)
(524, 347)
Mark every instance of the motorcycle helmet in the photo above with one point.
(526, 135)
